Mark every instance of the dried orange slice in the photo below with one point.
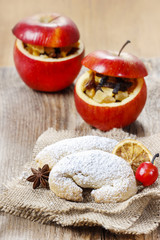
(133, 152)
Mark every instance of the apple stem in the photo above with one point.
(128, 41)
(52, 19)
(155, 156)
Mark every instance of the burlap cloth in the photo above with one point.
(139, 214)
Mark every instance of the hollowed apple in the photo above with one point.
(120, 99)
(48, 52)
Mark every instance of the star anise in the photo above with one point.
(117, 84)
(91, 82)
(102, 83)
(40, 177)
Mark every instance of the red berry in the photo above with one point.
(147, 172)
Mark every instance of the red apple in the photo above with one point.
(110, 64)
(106, 116)
(50, 31)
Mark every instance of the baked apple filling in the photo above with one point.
(106, 89)
(50, 52)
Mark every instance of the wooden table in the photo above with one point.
(25, 114)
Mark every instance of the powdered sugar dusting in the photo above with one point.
(53, 153)
(110, 176)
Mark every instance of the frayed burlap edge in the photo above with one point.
(121, 218)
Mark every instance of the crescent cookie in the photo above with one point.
(110, 177)
(53, 153)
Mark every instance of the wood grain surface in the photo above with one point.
(25, 114)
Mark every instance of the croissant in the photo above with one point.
(109, 176)
(53, 153)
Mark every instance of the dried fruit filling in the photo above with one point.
(50, 52)
(106, 89)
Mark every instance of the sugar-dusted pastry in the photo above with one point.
(110, 177)
(53, 153)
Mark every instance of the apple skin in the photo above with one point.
(46, 76)
(59, 32)
(106, 118)
(109, 63)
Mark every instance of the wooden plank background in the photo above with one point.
(25, 114)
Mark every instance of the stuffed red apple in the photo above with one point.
(47, 52)
(113, 92)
